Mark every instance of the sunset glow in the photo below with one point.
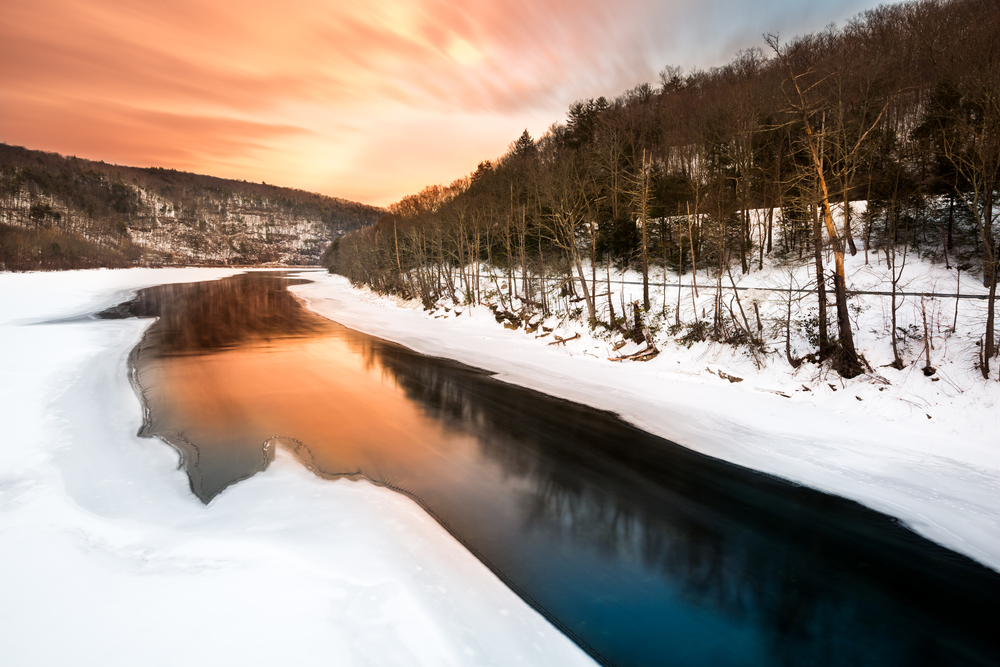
(368, 101)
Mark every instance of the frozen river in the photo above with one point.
(642, 551)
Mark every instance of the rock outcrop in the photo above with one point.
(65, 212)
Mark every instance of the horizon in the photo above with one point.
(367, 105)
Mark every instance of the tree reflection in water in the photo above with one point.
(643, 551)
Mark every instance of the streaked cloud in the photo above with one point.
(362, 100)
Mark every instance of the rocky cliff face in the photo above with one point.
(58, 212)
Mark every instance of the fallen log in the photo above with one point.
(562, 341)
(642, 355)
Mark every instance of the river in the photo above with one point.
(642, 551)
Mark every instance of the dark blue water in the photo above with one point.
(644, 552)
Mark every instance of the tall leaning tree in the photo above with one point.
(805, 111)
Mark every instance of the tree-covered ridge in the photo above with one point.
(722, 169)
(66, 212)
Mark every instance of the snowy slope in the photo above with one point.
(926, 452)
(109, 559)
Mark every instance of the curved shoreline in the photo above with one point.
(955, 501)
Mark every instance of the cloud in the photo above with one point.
(139, 136)
(311, 89)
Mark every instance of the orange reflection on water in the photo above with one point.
(324, 389)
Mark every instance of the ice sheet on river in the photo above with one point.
(109, 559)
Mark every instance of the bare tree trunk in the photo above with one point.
(989, 275)
(593, 257)
(896, 273)
(523, 237)
(852, 364)
(591, 311)
(824, 340)
(928, 369)
(663, 242)
(770, 226)
(744, 236)
(644, 216)
(645, 271)
(399, 265)
(541, 263)
(611, 302)
(680, 268)
(792, 361)
(958, 299)
(694, 266)
(847, 224)
(510, 257)
(990, 344)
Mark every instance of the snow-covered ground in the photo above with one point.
(109, 559)
(925, 450)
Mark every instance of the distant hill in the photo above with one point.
(65, 212)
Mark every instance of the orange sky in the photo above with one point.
(364, 100)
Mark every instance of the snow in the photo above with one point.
(924, 451)
(102, 540)
(110, 559)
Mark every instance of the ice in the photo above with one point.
(109, 559)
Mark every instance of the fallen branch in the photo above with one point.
(562, 341)
(642, 355)
(645, 354)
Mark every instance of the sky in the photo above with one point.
(369, 101)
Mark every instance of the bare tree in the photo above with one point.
(850, 364)
(564, 189)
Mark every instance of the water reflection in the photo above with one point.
(646, 553)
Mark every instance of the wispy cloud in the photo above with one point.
(368, 101)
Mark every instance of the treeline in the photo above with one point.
(65, 212)
(718, 169)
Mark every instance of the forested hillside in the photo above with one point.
(875, 141)
(64, 212)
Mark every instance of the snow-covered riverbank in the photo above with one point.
(926, 452)
(102, 540)
(110, 559)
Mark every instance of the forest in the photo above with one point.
(878, 139)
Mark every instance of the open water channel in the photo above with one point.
(642, 551)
